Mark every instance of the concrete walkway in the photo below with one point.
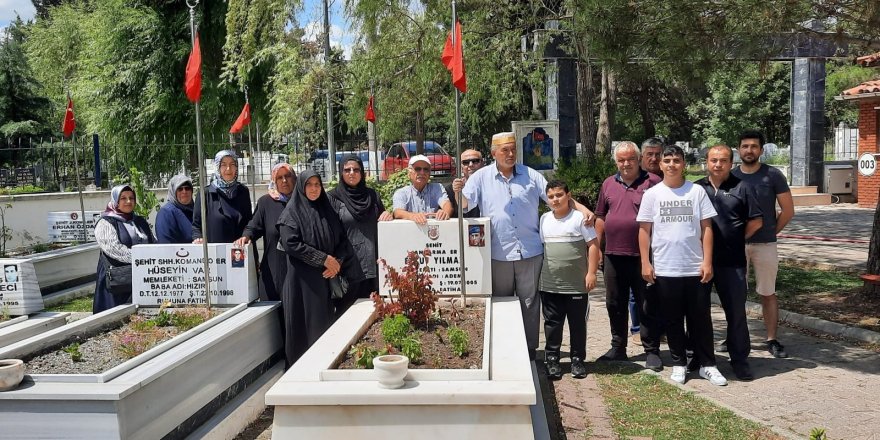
(828, 384)
(847, 224)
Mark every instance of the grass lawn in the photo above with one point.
(83, 304)
(827, 294)
(644, 405)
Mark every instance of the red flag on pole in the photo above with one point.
(453, 59)
(69, 123)
(193, 82)
(243, 119)
(371, 114)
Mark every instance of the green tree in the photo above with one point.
(23, 107)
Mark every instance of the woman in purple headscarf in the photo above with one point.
(228, 210)
(118, 229)
(273, 266)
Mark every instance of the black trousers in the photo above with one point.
(556, 308)
(687, 298)
(730, 283)
(623, 274)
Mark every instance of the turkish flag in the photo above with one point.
(69, 123)
(453, 59)
(243, 119)
(371, 114)
(193, 82)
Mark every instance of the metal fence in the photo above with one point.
(49, 163)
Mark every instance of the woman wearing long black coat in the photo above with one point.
(273, 265)
(228, 210)
(317, 250)
(359, 209)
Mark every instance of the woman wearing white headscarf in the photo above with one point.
(174, 220)
(229, 203)
(118, 229)
(273, 266)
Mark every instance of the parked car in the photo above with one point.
(397, 158)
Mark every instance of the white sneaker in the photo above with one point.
(713, 376)
(679, 374)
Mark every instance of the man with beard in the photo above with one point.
(771, 187)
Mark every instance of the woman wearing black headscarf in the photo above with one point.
(360, 209)
(118, 229)
(229, 203)
(317, 248)
(273, 266)
(174, 220)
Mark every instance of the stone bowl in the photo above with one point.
(11, 373)
(390, 370)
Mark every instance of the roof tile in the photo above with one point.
(869, 60)
(865, 87)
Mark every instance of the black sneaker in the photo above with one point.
(776, 349)
(578, 369)
(615, 354)
(653, 362)
(722, 346)
(554, 370)
(742, 371)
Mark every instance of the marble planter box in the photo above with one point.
(313, 401)
(168, 390)
(24, 327)
(63, 268)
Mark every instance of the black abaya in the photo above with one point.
(273, 266)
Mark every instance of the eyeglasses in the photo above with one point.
(351, 170)
(185, 188)
(469, 162)
(422, 169)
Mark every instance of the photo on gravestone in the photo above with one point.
(10, 273)
(538, 149)
(237, 257)
(476, 235)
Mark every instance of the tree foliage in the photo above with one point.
(23, 107)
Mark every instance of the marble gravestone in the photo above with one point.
(398, 237)
(19, 290)
(66, 226)
(175, 273)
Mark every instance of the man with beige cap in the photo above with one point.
(509, 193)
(421, 199)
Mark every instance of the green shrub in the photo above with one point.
(386, 189)
(584, 176)
(73, 351)
(146, 199)
(363, 355)
(459, 340)
(185, 319)
(395, 329)
(411, 347)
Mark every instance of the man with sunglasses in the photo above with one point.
(421, 199)
(471, 160)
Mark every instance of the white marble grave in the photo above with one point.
(175, 273)
(398, 237)
(19, 290)
(66, 226)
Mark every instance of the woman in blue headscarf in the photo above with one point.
(228, 210)
(118, 229)
(174, 220)
(273, 266)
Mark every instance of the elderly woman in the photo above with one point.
(360, 209)
(229, 203)
(174, 220)
(118, 229)
(273, 266)
(316, 247)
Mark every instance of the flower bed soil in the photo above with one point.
(436, 349)
(99, 352)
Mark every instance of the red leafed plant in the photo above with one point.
(416, 297)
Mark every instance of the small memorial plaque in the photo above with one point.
(25, 176)
(175, 273)
(398, 237)
(5, 178)
(66, 226)
(19, 290)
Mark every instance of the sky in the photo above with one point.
(311, 18)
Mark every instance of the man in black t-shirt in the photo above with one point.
(739, 217)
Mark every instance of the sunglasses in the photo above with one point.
(185, 188)
(351, 170)
(422, 169)
(469, 162)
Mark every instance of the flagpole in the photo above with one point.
(460, 171)
(82, 206)
(252, 172)
(331, 142)
(374, 161)
(201, 156)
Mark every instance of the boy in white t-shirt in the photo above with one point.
(675, 231)
(571, 260)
